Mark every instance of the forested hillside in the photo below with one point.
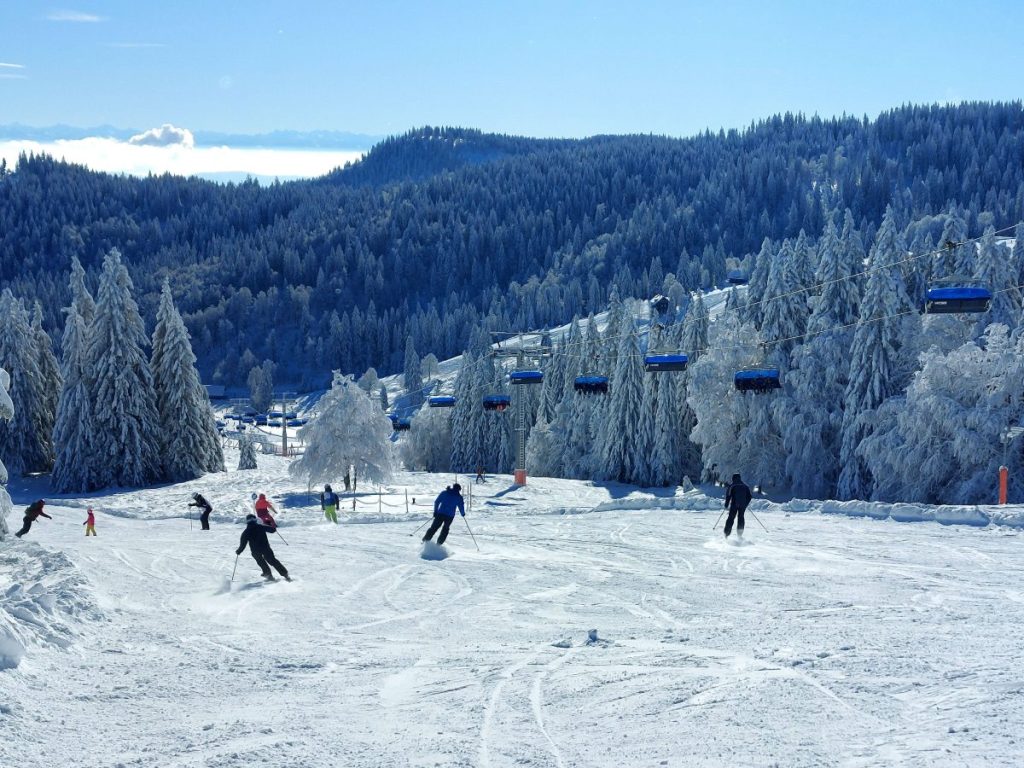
(441, 231)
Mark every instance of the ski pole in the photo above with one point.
(234, 569)
(470, 532)
(420, 528)
(282, 537)
(758, 520)
(718, 520)
(190, 519)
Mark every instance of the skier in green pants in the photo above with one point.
(329, 503)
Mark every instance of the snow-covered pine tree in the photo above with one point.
(542, 450)
(349, 430)
(876, 356)
(950, 259)
(995, 272)
(50, 379)
(428, 446)
(6, 414)
(412, 376)
(80, 295)
(384, 404)
(246, 452)
(1017, 254)
(23, 448)
(617, 445)
(785, 303)
(943, 442)
(754, 311)
(721, 412)
(463, 417)
(127, 437)
(73, 433)
(188, 430)
(811, 418)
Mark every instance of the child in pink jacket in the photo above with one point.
(90, 523)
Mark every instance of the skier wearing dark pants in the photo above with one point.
(445, 507)
(255, 536)
(32, 513)
(737, 497)
(204, 505)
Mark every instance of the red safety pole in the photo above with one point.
(1004, 475)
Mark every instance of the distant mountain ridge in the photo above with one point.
(324, 139)
(442, 232)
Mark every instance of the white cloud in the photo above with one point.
(4, 65)
(77, 17)
(164, 136)
(114, 156)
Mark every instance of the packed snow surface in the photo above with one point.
(595, 626)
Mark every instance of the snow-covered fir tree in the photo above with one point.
(50, 380)
(785, 302)
(412, 377)
(811, 418)
(722, 413)
(428, 443)
(995, 271)
(127, 445)
(542, 450)
(384, 404)
(23, 447)
(349, 430)
(188, 430)
(73, 433)
(876, 356)
(617, 455)
(6, 414)
(944, 441)
(463, 419)
(1017, 255)
(246, 452)
(80, 295)
(758, 283)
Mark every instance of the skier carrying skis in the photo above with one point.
(32, 513)
(737, 497)
(90, 523)
(203, 504)
(445, 506)
(263, 507)
(255, 536)
(329, 503)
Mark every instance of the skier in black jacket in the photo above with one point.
(255, 535)
(737, 497)
(32, 513)
(204, 505)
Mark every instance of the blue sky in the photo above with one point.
(533, 68)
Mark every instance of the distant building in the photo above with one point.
(215, 391)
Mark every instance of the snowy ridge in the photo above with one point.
(1010, 515)
(47, 604)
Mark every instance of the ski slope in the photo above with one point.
(829, 640)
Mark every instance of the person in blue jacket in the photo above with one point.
(445, 507)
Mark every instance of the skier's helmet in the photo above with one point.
(254, 497)
(736, 477)
(327, 488)
(250, 517)
(456, 487)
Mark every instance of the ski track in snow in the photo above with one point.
(828, 641)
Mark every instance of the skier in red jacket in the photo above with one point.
(90, 523)
(32, 513)
(263, 508)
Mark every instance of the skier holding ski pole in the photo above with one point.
(737, 498)
(205, 506)
(255, 537)
(445, 507)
